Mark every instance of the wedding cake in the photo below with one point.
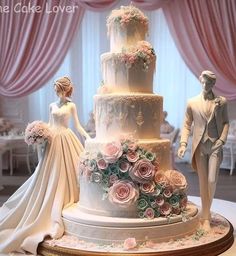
(131, 200)
(127, 186)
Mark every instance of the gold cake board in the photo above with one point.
(207, 249)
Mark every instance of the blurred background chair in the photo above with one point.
(229, 149)
(24, 153)
(171, 133)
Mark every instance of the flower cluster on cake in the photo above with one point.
(129, 174)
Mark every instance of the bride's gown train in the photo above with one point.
(34, 210)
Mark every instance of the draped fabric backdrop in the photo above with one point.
(33, 44)
(204, 32)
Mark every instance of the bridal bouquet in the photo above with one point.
(37, 132)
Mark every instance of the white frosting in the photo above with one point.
(118, 77)
(126, 26)
(139, 114)
(107, 230)
(125, 37)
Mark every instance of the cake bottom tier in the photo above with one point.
(92, 200)
(105, 230)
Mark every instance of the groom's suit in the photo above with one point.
(209, 119)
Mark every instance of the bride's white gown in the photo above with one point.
(34, 210)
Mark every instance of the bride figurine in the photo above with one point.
(34, 211)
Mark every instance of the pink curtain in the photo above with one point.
(151, 5)
(33, 44)
(97, 5)
(205, 34)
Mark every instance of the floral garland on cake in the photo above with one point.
(127, 15)
(142, 52)
(129, 174)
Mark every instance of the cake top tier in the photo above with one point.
(126, 26)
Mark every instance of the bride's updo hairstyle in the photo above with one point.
(64, 84)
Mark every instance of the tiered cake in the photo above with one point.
(131, 201)
(127, 187)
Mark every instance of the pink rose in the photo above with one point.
(160, 200)
(113, 179)
(161, 179)
(143, 171)
(124, 166)
(149, 213)
(41, 133)
(123, 193)
(132, 156)
(130, 243)
(112, 152)
(132, 59)
(177, 179)
(168, 191)
(147, 188)
(166, 209)
(102, 164)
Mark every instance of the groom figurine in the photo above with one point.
(208, 115)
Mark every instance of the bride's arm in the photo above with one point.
(78, 126)
(50, 115)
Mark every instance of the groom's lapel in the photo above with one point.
(200, 102)
(214, 110)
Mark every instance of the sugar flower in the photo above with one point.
(112, 151)
(130, 243)
(143, 171)
(123, 193)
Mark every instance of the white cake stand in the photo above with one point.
(86, 234)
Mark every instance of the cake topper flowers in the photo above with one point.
(142, 53)
(127, 15)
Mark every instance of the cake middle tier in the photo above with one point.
(126, 73)
(136, 114)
